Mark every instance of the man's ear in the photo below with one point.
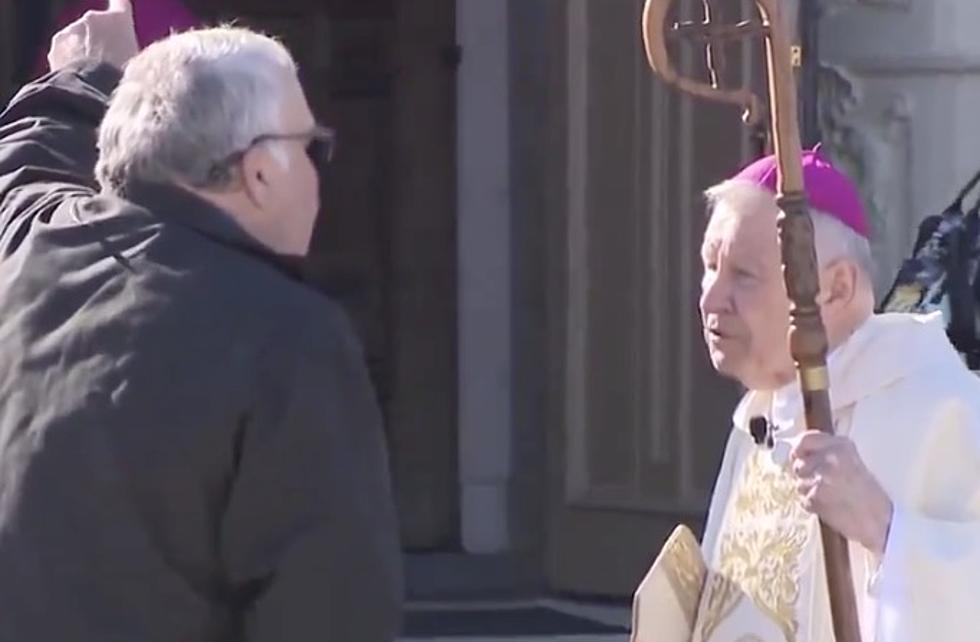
(253, 177)
(838, 283)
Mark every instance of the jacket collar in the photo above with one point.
(172, 203)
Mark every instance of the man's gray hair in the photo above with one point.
(833, 239)
(188, 103)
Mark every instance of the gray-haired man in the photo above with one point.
(190, 449)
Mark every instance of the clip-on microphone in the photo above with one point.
(761, 431)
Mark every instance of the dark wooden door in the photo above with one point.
(639, 420)
(376, 70)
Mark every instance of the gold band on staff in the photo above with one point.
(813, 379)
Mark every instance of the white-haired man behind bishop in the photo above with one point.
(190, 448)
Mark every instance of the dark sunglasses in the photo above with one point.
(320, 145)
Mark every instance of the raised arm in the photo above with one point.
(48, 131)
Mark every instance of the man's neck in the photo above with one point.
(836, 339)
(839, 336)
(237, 207)
(783, 380)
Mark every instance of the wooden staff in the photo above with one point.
(807, 336)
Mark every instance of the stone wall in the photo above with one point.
(900, 85)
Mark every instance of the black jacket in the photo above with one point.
(190, 448)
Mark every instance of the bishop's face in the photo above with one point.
(744, 307)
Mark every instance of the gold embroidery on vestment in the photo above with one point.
(685, 572)
(721, 596)
(762, 540)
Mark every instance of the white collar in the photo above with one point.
(783, 407)
(885, 348)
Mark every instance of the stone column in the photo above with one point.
(484, 207)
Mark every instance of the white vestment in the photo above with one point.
(902, 394)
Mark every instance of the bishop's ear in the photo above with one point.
(838, 284)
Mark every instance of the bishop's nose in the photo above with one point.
(715, 295)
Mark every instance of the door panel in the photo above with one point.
(642, 419)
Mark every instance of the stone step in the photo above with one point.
(515, 621)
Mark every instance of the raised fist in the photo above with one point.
(108, 36)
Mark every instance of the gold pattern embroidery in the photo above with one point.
(685, 571)
(720, 598)
(761, 544)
